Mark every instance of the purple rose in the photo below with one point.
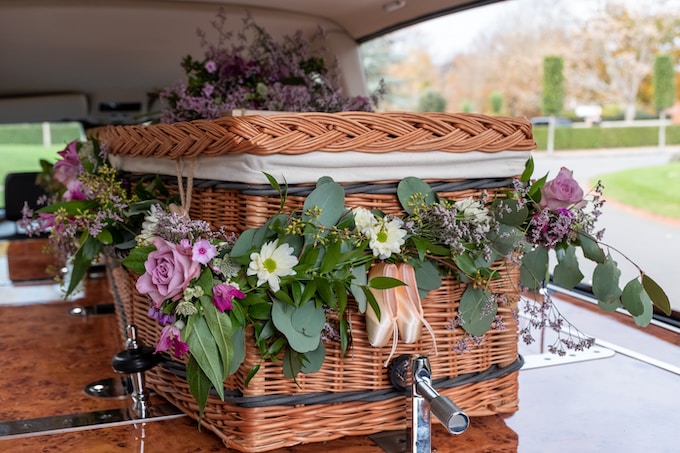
(561, 192)
(223, 294)
(168, 272)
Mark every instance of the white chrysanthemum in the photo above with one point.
(272, 263)
(364, 220)
(145, 237)
(387, 237)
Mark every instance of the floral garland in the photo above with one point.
(90, 209)
(281, 281)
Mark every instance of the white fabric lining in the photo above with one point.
(343, 167)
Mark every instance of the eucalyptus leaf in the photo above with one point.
(656, 294)
(591, 248)
(503, 242)
(324, 180)
(203, 348)
(534, 268)
(410, 186)
(567, 273)
(510, 212)
(329, 198)
(301, 325)
(291, 364)
(244, 244)
(477, 311)
(631, 297)
(313, 360)
(647, 314)
(606, 285)
(428, 276)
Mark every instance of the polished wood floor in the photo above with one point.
(627, 402)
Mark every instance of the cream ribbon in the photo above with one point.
(185, 195)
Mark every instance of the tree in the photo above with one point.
(496, 103)
(507, 58)
(553, 85)
(664, 82)
(618, 48)
(664, 91)
(432, 101)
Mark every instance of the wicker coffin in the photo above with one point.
(352, 394)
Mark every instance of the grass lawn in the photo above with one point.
(17, 158)
(652, 189)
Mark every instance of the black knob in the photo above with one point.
(398, 373)
(137, 360)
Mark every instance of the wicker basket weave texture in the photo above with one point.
(329, 132)
(240, 427)
(261, 428)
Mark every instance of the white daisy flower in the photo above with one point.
(387, 237)
(364, 220)
(272, 263)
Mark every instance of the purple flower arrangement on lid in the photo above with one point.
(251, 70)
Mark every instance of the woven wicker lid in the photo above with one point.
(300, 133)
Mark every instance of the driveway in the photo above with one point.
(650, 242)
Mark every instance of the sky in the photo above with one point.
(466, 26)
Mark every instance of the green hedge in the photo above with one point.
(604, 137)
(32, 134)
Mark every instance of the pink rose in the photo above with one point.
(168, 273)
(561, 192)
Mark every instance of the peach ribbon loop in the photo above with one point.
(401, 310)
(410, 315)
(380, 330)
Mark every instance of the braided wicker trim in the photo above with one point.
(301, 133)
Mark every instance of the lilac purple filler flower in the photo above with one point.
(251, 70)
